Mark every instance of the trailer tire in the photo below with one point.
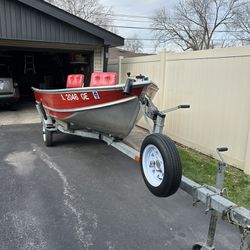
(160, 165)
(47, 137)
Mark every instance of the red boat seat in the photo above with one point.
(103, 79)
(75, 81)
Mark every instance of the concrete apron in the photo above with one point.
(26, 113)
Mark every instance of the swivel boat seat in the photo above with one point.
(99, 79)
(75, 81)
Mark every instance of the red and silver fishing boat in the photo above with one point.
(104, 106)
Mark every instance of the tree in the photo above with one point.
(134, 45)
(90, 10)
(193, 24)
(242, 24)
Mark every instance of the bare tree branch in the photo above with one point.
(193, 23)
(89, 10)
(134, 45)
(242, 24)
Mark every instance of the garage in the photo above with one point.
(45, 69)
(40, 45)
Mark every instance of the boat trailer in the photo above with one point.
(212, 197)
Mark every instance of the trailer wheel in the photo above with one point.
(160, 165)
(47, 137)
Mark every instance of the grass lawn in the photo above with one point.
(202, 169)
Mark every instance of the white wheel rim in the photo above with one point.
(153, 165)
(44, 134)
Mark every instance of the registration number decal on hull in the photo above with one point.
(75, 97)
(96, 95)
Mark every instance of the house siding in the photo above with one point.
(21, 22)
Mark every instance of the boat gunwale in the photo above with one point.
(90, 89)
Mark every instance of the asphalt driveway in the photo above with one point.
(83, 194)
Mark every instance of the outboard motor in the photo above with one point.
(128, 87)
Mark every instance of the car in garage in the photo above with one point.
(9, 91)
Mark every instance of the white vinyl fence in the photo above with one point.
(216, 83)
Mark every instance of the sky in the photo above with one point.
(139, 8)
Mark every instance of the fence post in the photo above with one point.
(247, 156)
(120, 68)
(163, 66)
(163, 77)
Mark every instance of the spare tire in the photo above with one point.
(160, 165)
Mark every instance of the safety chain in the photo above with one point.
(228, 215)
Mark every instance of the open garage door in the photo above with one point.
(45, 68)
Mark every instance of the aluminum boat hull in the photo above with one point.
(117, 120)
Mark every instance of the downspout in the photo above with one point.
(105, 58)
